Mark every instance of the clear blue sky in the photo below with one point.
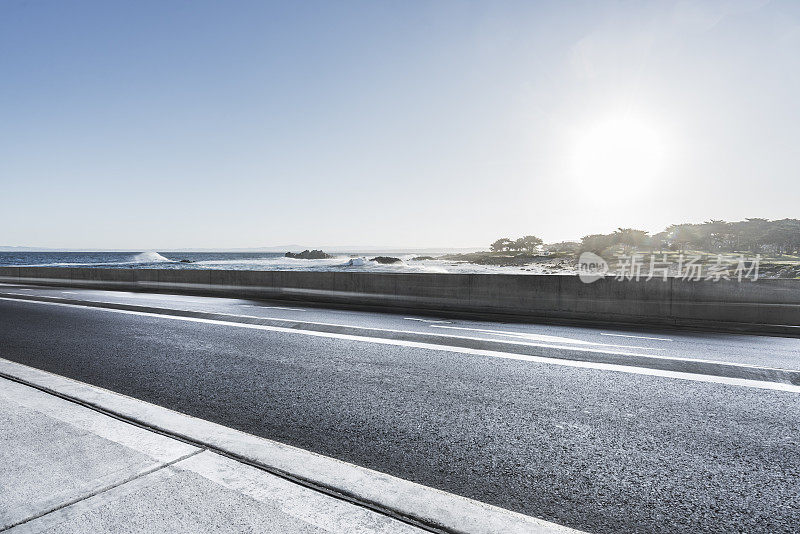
(236, 124)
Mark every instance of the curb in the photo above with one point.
(423, 506)
(661, 363)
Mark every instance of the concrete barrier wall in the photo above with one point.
(764, 305)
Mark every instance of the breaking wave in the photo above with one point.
(149, 257)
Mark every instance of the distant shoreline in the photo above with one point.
(556, 263)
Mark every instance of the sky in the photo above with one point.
(175, 124)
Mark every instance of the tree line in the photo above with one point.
(528, 243)
(751, 235)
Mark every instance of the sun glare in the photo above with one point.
(617, 153)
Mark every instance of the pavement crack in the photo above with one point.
(104, 489)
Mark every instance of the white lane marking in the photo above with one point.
(425, 320)
(637, 337)
(530, 343)
(180, 299)
(776, 386)
(542, 337)
(273, 307)
(150, 296)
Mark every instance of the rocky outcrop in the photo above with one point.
(308, 255)
(386, 259)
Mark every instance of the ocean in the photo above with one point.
(251, 261)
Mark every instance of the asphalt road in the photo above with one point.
(598, 450)
(767, 351)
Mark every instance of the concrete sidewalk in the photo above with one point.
(67, 468)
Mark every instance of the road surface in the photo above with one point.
(595, 449)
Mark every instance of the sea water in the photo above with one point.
(251, 261)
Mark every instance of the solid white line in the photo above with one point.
(637, 337)
(542, 337)
(478, 352)
(425, 320)
(274, 307)
(547, 344)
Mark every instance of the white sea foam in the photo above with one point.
(357, 262)
(275, 262)
(279, 261)
(149, 257)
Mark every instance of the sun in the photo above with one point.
(622, 153)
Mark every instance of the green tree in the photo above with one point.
(754, 233)
(783, 236)
(501, 245)
(597, 243)
(682, 236)
(528, 243)
(715, 234)
(630, 238)
(658, 241)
